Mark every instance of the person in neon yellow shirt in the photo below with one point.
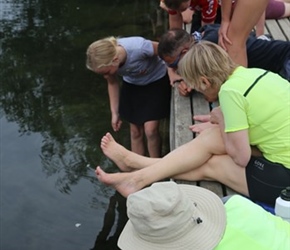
(246, 141)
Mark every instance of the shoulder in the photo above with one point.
(133, 41)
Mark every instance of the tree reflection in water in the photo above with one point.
(45, 87)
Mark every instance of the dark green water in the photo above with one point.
(53, 115)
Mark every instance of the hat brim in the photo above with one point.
(205, 236)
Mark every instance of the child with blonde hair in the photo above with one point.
(144, 98)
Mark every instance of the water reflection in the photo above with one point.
(53, 115)
(104, 241)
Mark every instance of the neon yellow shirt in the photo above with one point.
(250, 227)
(265, 111)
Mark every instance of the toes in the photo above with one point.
(110, 137)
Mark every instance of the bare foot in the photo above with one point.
(114, 151)
(122, 182)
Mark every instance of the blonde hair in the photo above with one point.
(205, 59)
(101, 53)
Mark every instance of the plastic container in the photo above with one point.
(282, 205)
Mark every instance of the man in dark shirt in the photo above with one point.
(271, 55)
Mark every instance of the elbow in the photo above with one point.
(241, 159)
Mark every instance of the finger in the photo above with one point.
(201, 118)
(225, 38)
(221, 43)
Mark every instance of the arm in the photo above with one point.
(226, 8)
(176, 80)
(113, 90)
(237, 143)
(175, 21)
(155, 48)
(187, 16)
(260, 25)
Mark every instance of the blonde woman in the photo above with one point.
(247, 146)
(144, 98)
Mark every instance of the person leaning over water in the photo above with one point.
(247, 147)
(204, 12)
(174, 43)
(145, 94)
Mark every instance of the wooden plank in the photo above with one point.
(266, 31)
(213, 186)
(172, 134)
(284, 24)
(199, 105)
(275, 30)
(180, 120)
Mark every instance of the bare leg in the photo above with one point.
(185, 158)
(287, 9)
(153, 138)
(126, 160)
(245, 16)
(137, 140)
(220, 168)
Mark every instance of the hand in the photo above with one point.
(163, 6)
(198, 128)
(173, 76)
(201, 118)
(223, 38)
(183, 89)
(216, 116)
(116, 122)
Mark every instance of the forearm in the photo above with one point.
(236, 145)
(226, 9)
(173, 76)
(175, 21)
(113, 90)
(260, 25)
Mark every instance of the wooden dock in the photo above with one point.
(184, 108)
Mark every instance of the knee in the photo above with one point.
(136, 133)
(151, 133)
(151, 130)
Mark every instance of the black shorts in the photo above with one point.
(151, 102)
(266, 179)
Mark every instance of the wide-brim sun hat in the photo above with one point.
(173, 216)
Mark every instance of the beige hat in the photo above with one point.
(173, 216)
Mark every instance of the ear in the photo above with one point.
(205, 83)
(184, 50)
(115, 59)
